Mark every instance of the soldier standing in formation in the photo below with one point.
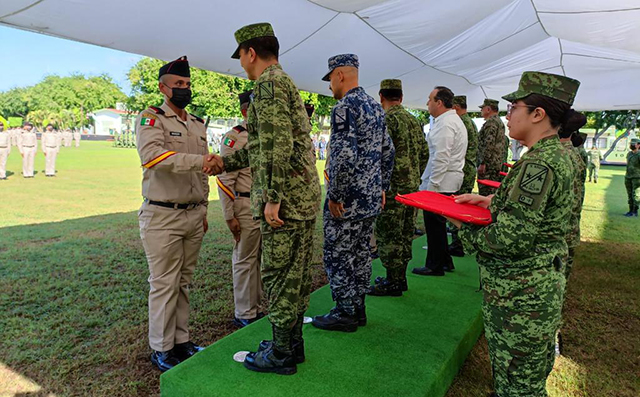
(594, 157)
(522, 253)
(491, 146)
(5, 149)
(359, 173)
(77, 136)
(395, 226)
(285, 195)
(632, 177)
(234, 189)
(50, 141)
(172, 145)
(28, 146)
(470, 168)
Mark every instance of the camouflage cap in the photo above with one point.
(489, 102)
(245, 33)
(550, 85)
(391, 84)
(341, 60)
(460, 100)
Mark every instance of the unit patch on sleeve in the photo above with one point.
(340, 119)
(265, 90)
(534, 178)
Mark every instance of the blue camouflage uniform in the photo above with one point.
(360, 167)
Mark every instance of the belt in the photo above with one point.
(27, 146)
(243, 194)
(175, 206)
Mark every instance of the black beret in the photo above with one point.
(245, 97)
(179, 67)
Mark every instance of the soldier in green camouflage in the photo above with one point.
(522, 252)
(285, 195)
(491, 149)
(594, 163)
(632, 178)
(460, 106)
(395, 226)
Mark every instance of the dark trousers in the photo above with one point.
(437, 251)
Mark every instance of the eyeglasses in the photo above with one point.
(511, 106)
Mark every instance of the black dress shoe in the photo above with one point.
(336, 320)
(185, 350)
(425, 271)
(448, 269)
(271, 360)
(164, 360)
(384, 287)
(297, 346)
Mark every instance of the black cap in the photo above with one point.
(309, 108)
(245, 97)
(179, 67)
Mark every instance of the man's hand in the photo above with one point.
(271, 215)
(475, 199)
(234, 227)
(205, 224)
(384, 199)
(212, 165)
(482, 169)
(336, 209)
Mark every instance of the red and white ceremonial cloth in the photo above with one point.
(487, 182)
(446, 206)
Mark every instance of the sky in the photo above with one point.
(27, 57)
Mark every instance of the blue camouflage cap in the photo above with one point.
(337, 61)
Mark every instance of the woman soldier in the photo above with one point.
(522, 253)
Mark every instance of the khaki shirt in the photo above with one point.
(5, 139)
(50, 140)
(234, 181)
(27, 139)
(172, 153)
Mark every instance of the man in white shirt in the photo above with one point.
(447, 141)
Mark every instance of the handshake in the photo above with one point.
(212, 164)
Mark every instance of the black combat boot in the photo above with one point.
(384, 287)
(277, 356)
(361, 310)
(338, 319)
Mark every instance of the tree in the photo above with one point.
(632, 118)
(14, 103)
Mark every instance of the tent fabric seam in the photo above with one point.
(312, 34)
(533, 4)
(22, 9)
(589, 12)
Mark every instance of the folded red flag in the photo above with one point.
(504, 173)
(489, 183)
(446, 206)
(508, 165)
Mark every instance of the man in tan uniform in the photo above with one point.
(50, 147)
(172, 146)
(67, 137)
(5, 149)
(76, 137)
(234, 190)
(28, 146)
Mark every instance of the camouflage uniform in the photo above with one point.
(632, 181)
(504, 168)
(395, 226)
(594, 157)
(521, 255)
(359, 170)
(580, 172)
(279, 152)
(491, 151)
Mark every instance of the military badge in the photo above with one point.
(340, 119)
(265, 90)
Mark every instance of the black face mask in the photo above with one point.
(632, 147)
(181, 97)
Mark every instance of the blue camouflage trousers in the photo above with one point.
(347, 257)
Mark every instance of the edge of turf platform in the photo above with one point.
(413, 345)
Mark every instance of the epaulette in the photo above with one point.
(156, 109)
(239, 128)
(198, 118)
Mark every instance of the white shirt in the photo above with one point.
(447, 141)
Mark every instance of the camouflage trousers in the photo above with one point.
(286, 260)
(521, 338)
(469, 179)
(394, 230)
(492, 174)
(593, 171)
(347, 257)
(633, 190)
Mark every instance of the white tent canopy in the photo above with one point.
(476, 48)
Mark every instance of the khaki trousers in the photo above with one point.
(172, 240)
(247, 284)
(29, 156)
(4, 153)
(50, 160)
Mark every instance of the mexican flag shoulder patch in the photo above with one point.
(148, 121)
(229, 142)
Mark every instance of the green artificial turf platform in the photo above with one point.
(412, 345)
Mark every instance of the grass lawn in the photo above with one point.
(73, 289)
